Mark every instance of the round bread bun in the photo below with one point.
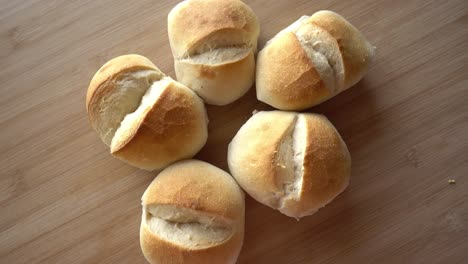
(147, 119)
(213, 44)
(293, 162)
(193, 212)
(311, 61)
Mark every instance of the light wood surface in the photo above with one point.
(64, 199)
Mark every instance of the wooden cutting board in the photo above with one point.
(64, 199)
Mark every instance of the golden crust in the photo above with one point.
(356, 51)
(286, 77)
(182, 183)
(173, 128)
(194, 20)
(327, 165)
(253, 154)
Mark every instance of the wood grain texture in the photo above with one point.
(64, 199)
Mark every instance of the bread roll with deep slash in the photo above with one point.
(193, 213)
(146, 118)
(293, 162)
(312, 60)
(213, 44)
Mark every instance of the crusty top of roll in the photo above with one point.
(194, 21)
(335, 49)
(199, 186)
(193, 212)
(147, 119)
(295, 163)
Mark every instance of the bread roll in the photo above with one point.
(295, 163)
(193, 213)
(213, 43)
(311, 61)
(147, 119)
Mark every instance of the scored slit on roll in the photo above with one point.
(218, 55)
(292, 179)
(222, 46)
(132, 87)
(290, 165)
(220, 58)
(316, 42)
(186, 227)
(143, 115)
(151, 95)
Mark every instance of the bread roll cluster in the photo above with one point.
(293, 162)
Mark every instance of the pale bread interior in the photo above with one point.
(320, 41)
(222, 46)
(285, 165)
(289, 167)
(320, 63)
(131, 88)
(186, 227)
(131, 119)
(291, 153)
(220, 55)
